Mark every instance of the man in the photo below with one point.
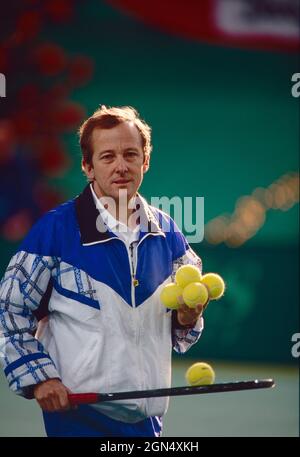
(97, 265)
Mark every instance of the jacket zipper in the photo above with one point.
(134, 284)
(133, 268)
(134, 281)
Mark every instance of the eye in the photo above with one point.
(131, 154)
(107, 157)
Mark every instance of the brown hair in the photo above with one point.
(107, 118)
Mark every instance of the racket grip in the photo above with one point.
(83, 399)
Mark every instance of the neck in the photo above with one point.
(120, 208)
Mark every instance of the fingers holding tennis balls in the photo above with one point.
(187, 316)
(192, 289)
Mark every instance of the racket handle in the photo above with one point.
(83, 399)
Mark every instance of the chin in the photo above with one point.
(130, 191)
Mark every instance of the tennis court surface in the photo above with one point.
(267, 412)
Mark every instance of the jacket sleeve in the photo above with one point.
(184, 337)
(25, 281)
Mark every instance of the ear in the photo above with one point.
(88, 170)
(146, 163)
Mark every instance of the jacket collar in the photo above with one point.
(87, 215)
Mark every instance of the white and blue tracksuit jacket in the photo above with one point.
(102, 327)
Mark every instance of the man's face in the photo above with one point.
(118, 160)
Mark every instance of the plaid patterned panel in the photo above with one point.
(24, 359)
(183, 339)
(72, 278)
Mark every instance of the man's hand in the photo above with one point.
(52, 395)
(189, 316)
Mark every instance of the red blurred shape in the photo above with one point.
(28, 25)
(16, 226)
(59, 10)
(29, 95)
(25, 123)
(50, 58)
(7, 139)
(52, 157)
(188, 17)
(46, 198)
(67, 116)
(58, 91)
(252, 24)
(80, 70)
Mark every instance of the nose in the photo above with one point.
(121, 165)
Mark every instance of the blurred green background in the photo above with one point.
(224, 123)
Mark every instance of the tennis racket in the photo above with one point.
(88, 398)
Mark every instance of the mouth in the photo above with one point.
(121, 181)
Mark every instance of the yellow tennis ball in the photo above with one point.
(169, 295)
(187, 274)
(194, 294)
(215, 285)
(200, 374)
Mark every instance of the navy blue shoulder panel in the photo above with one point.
(44, 238)
(175, 238)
